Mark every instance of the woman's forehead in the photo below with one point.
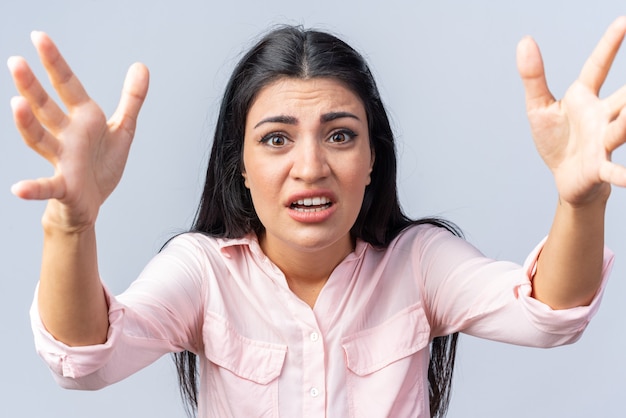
(296, 96)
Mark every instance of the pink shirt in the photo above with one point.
(361, 352)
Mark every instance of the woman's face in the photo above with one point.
(307, 161)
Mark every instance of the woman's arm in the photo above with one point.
(575, 137)
(569, 268)
(88, 154)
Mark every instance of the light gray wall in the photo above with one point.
(447, 73)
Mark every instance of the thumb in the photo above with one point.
(40, 189)
(133, 95)
(531, 70)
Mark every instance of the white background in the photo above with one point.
(447, 74)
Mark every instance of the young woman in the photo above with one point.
(302, 289)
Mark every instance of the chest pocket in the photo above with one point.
(387, 365)
(242, 379)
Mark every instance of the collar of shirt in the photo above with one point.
(252, 241)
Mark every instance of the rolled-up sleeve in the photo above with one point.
(559, 321)
(468, 292)
(96, 366)
(159, 314)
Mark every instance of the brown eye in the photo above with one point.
(340, 137)
(274, 140)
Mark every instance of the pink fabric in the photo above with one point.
(361, 352)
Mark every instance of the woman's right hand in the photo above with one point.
(88, 153)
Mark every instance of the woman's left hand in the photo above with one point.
(576, 135)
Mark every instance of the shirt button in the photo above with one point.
(314, 392)
(314, 336)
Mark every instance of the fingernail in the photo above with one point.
(35, 34)
(13, 101)
(14, 189)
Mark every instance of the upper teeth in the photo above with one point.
(311, 201)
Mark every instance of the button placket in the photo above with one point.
(314, 337)
(314, 373)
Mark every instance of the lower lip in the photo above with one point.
(312, 216)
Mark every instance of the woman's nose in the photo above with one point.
(310, 162)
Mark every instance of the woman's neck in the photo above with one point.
(306, 270)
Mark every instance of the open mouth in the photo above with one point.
(313, 204)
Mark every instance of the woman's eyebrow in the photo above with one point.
(289, 120)
(328, 117)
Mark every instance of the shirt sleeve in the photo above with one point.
(468, 292)
(160, 313)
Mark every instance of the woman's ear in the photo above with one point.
(369, 174)
(245, 179)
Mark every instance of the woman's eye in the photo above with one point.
(274, 140)
(341, 136)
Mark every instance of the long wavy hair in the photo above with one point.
(226, 208)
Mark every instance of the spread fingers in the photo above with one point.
(33, 133)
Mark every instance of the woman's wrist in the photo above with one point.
(59, 218)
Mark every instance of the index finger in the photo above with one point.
(63, 79)
(598, 64)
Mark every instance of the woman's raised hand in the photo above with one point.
(88, 153)
(576, 136)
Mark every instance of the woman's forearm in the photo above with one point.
(71, 298)
(569, 268)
